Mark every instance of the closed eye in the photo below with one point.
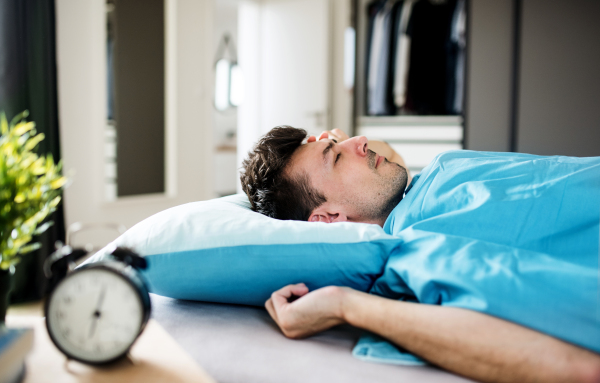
(337, 157)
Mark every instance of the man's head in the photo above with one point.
(321, 180)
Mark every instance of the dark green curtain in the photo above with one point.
(28, 82)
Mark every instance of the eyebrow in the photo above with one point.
(326, 150)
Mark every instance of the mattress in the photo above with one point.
(242, 344)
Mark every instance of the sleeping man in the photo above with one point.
(497, 275)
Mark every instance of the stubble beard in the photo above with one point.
(390, 190)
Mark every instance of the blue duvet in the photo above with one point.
(511, 235)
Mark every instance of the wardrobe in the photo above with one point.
(410, 75)
(528, 79)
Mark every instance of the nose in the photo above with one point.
(357, 145)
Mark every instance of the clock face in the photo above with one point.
(94, 315)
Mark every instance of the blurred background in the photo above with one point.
(155, 103)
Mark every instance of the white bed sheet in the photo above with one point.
(241, 344)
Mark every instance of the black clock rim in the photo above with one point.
(130, 276)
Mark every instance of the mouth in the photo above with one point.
(378, 160)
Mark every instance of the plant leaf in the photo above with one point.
(54, 202)
(29, 248)
(19, 198)
(23, 128)
(30, 188)
(3, 124)
(58, 183)
(43, 228)
(32, 142)
(19, 117)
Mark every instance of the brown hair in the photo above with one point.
(271, 191)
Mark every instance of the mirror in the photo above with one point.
(135, 129)
(228, 76)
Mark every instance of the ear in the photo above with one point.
(326, 214)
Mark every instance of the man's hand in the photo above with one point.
(466, 342)
(335, 134)
(309, 314)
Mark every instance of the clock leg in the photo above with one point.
(131, 359)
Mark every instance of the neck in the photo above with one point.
(378, 221)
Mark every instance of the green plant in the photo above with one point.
(30, 188)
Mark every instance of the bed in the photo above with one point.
(510, 235)
(236, 343)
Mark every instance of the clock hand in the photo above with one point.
(100, 299)
(97, 313)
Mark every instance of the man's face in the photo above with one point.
(359, 185)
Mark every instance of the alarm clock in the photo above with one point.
(95, 313)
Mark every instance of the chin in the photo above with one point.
(397, 187)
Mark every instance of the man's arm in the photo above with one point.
(466, 342)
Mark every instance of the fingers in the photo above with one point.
(271, 310)
(335, 134)
(339, 134)
(280, 297)
(289, 290)
(299, 289)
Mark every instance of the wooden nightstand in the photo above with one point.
(155, 357)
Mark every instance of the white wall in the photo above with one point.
(489, 84)
(249, 55)
(559, 82)
(82, 109)
(258, 50)
(341, 97)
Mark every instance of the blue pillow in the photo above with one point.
(221, 251)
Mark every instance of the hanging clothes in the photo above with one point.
(432, 60)
(402, 62)
(415, 57)
(110, 78)
(382, 41)
(459, 29)
(378, 73)
(372, 9)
